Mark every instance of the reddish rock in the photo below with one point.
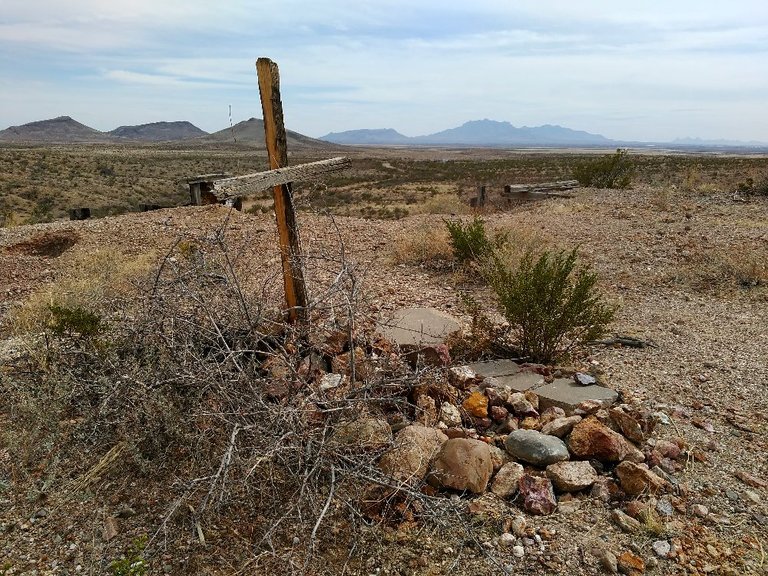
(476, 405)
(627, 424)
(636, 479)
(667, 449)
(499, 413)
(506, 481)
(606, 490)
(588, 407)
(591, 439)
(571, 476)
(630, 564)
(550, 414)
(560, 427)
(495, 398)
(462, 464)
(456, 432)
(537, 494)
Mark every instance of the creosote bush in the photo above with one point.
(470, 240)
(550, 303)
(612, 171)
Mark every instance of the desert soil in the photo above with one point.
(659, 255)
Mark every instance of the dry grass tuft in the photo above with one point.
(424, 245)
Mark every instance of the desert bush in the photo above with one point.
(612, 171)
(551, 304)
(752, 187)
(470, 240)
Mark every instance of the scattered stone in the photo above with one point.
(530, 423)
(608, 561)
(661, 548)
(450, 415)
(584, 379)
(519, 526)
(426, 413)
(750, 480)
(605, 490)
(560, 427)
(462, 464)
(476, 405)
(520, 404)
(538, 495)
(630, 563)
(330, 381)
(700, 510)
(499, 413)
(499, 457)
(572, 476)
(627, 424)
(636, 479)
(509, 425)
(365, 433)
(505, 484)
(518, 551)
(550, 414)
(705, 425)
(494, 397)
(536, 448)
(664, 507)
(625, 523)
(667, 449)
(753, 497)
(414, 448)
(462, 376)
(591, 439)
(588, 408)
(506, 540)
(533, 398)
(111, 528)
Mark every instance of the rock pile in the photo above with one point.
(474, 435)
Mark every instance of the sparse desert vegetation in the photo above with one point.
(158, 415)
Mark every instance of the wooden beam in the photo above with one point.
(540, 188)
(253, 183)
(277, 150)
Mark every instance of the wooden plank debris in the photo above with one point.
(239, 186)
(541, 189)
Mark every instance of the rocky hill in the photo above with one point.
(159, 131)
(252, 132)
(56, 130)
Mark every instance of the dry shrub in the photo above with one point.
(97, 281)
(443, 204)
(737, 267)
(423, 245)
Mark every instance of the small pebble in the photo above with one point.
(518, 551)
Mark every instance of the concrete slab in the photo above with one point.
(566, 394)
(416, 327)
(521, 381)
(495, 368)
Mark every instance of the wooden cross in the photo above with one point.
(279, 178)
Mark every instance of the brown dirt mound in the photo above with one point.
(48, 244)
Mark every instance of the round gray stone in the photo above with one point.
(536, 448)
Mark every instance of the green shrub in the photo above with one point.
(612, 171)
(71, 321)
(132, 563)
(550, 304)
(469, 241)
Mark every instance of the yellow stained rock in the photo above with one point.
(476, 405)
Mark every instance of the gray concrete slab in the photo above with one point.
(521, 381)
(566, 394)
(415, 327)
(495, 368)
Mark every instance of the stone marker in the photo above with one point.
(415, 327)
(566, 394)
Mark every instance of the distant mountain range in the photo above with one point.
(65, 130)
(475, 133)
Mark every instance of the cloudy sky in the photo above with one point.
(645, 70)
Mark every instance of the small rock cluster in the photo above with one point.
(474, 436)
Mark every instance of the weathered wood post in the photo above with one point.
(277, 151)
